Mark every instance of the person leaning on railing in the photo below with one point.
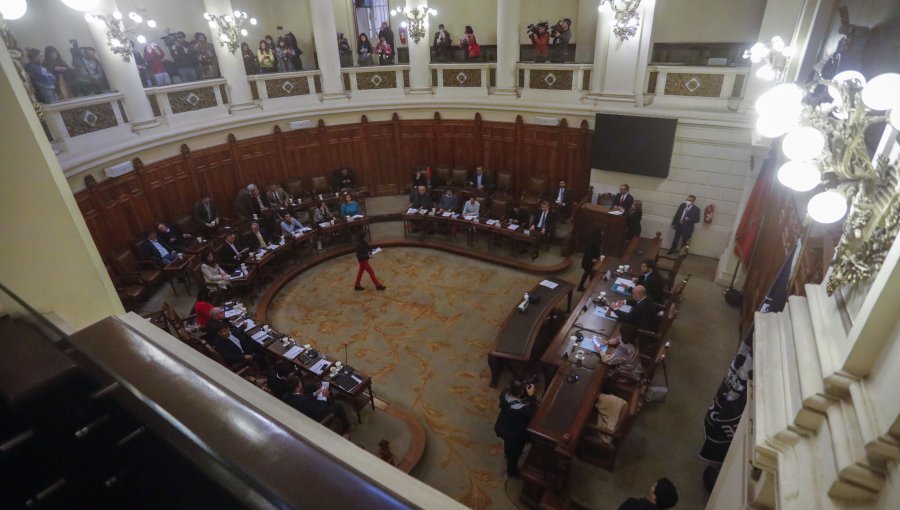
(266, 58)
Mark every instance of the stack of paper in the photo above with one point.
(358, 216)
(320, 366)
(412, 210)
(616, 213)
(549, 284)
(325, 225)
(293, 352)
(513, 227)
(261, 336)
(249, 324)
(232, 313)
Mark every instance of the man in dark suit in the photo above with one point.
(519, 215)
(683, 222)
(420, 198)
(231, 254)
(481, 181)
(316, 403)
(173, 236)
(249, 202)
(542, 222)
(282, 378)
(651, 280)
(643, 313)
(152, 248)
(343, 179)
(277, 196)
(206, 215)
(662, 496)
(623, 199)
(561, 197)
(234, 345)
(256, 239)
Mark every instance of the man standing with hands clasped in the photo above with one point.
(517, 405)
(683, 222)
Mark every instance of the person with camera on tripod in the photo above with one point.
(540, 40)
(517, 405)
(562, 34)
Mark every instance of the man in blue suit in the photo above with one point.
(683, 222)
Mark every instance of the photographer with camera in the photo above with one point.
(540, 40)
(517, 405)
(562, 34)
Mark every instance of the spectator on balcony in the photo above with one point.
(89, 73)
(154, 55)
(185, 58)
(469, 45)
(142, 67)
(291, 40)
(561, 37)
(345, 50)
(251, 63)
(60, 69)
(284, 56)
(385, 52)
(266, 58)
(209, 64)
(44, 81)
(388, 35)
(442, 44)
(365, 50)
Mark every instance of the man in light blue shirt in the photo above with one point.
(156, 250)
(290, 225)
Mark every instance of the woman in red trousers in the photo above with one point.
(362, 255)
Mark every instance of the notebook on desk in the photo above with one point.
(346, 381)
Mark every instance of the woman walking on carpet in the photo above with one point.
(363, 252)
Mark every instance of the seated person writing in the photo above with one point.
(172, 236)
(623, 358)
(448, 202)
(643, 313)
(472, 207)
(315, 402)
(651, 280)
(290, 225)
(156, 250)
(213, 275)
(231, 254)
(350, 207)
(256, 239)
(321, 214)
(420, 198)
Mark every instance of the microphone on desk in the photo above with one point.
(345, 352)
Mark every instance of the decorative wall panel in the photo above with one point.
(190, 100)
(376, 80)
(87, 119)
(695, 85)
(286, 87)
(462, 77)
(550, 79)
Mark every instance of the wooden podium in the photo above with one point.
(590, 217)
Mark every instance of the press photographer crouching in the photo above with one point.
(517, 405)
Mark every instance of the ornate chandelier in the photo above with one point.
(415, 19)
(627, 19)
(824, 124)
(230, 28)
(775, 56)
(121, 30)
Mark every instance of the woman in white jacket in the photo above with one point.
(213, 275)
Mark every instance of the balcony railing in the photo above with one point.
(277, 86)
(696, 82)
(466, 77)
(555, 77)
(84, 115)
(375, 78)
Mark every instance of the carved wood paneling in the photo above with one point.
(380, 153)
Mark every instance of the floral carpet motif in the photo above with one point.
(424, 341)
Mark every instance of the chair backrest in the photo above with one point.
(294, 186)
(186, 224)
(504, 181)
(605, 199)
(458, 177)
(536, 185)
(679, 288)
(125, 262)
(441, 175)
(499, 208)
(320, 184)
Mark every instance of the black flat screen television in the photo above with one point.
(633, 145)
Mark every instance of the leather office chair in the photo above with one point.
(535, 192)
(605, 199)
(127, 264)
(320, 185)
(504, 183)
(669, 265)
(498, 209)
(483, 205)
(459, 178)
(674, 296)
(177, 328)
(441, 176)
(186, 224)
(294, 187)
(130, 288)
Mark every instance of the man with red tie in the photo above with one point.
(623, 200)
(683, 222)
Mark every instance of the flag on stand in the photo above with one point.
(725, 413)
(754, 211)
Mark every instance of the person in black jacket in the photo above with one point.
(234, 345)
(157, 250)
(173, 236)
(662, 496)
(282, 379)
(420, 198)
(623, 200)
(316, 402)
(643, 313)
(683, 222)
(652, 281)
(633, 220)
(517, 406)
(590, 257)
(363, 251)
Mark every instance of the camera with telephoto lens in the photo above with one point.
(532, 28)
(556, 29)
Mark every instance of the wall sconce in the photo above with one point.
(415, 19)
(230, 28)
(825, 143)
(627, 19)
(120, 30)
(775, 55)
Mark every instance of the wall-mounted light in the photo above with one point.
(230, 28)
(120, 30)
(774, 55)
(627, 19)
(415, 19)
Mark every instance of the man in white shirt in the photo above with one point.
(472, 207)
(542, 223)
(290, 225)
(561, 198)
(231, 255)
(480, 180)
(683, 222)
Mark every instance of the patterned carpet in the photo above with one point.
(424, 340)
